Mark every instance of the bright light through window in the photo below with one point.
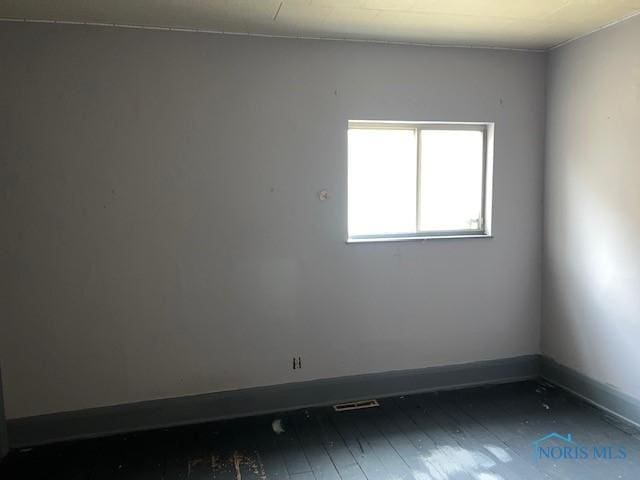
(382, 165)
(451, 180)
(417, 180)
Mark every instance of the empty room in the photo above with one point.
(319, 239)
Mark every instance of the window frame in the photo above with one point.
(484, 229)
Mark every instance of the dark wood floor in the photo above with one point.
(474, 434)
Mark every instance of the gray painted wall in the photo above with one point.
(592, 207)
(163, 234)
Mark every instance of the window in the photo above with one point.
(418, 180)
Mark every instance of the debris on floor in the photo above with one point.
(277, 426)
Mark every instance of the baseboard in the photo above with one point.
(4, 442)
(594, 392)
(96, 422)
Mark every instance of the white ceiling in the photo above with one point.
(502, 23)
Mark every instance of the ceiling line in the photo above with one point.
(266, 35)
(302, 37)
(603, 27)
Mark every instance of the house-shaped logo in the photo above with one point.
(567, 439)
(558, 447)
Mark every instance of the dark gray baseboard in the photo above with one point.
(153, 414)
(596, 393)
(97, 422)
(4, 442)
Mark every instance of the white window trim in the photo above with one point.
(487, 128)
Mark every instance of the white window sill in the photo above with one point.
(415, 238)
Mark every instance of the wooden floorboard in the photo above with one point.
(359, 447)
(383, 449)
(489, 442)
(291, 450)
(491, 460)
(315, 452)
(512, 429)
(473, 434)
(333, 443)
(448, 455)
(414, 457)
(409, 435)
